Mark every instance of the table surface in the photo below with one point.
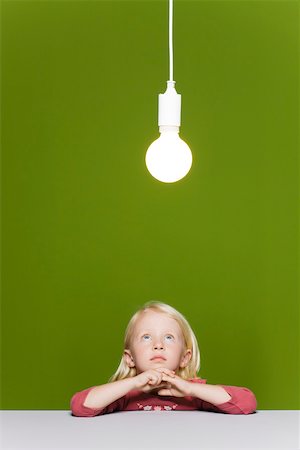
(155, 430)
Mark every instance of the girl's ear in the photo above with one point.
(128, 358)
(186, 358)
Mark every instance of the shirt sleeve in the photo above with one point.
(243, 401)
(78, 409)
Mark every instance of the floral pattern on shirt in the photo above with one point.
(157, 407)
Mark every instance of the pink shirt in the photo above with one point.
(242, 401)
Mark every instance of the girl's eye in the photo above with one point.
(148, 335)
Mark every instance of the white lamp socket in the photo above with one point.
(169, 106)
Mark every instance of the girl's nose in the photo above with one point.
(158, 345)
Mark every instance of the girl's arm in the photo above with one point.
(210, 393)
(101, 399)
(101, 396)
(227, 399)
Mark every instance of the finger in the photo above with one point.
(164, 392)
(172, 374)
(152, 380)
(157, 373)
(161, 386)
(166, 377)
(173, 381)
(158, 379)
(164, 369)
(169, 372)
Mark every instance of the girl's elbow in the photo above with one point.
(251, 405)
(84, 413)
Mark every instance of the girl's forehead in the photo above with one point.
(157, 322)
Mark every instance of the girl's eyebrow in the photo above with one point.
(166, 332)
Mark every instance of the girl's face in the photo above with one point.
(157, 335)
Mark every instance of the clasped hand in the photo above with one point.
(164, 382)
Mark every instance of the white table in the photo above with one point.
(155, 430)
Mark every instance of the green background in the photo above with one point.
(88, 235)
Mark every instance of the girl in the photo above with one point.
(158, 371)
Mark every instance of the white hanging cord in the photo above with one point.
(171, 38)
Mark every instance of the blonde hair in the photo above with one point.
(190, 342)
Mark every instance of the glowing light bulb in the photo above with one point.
(169, 158)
